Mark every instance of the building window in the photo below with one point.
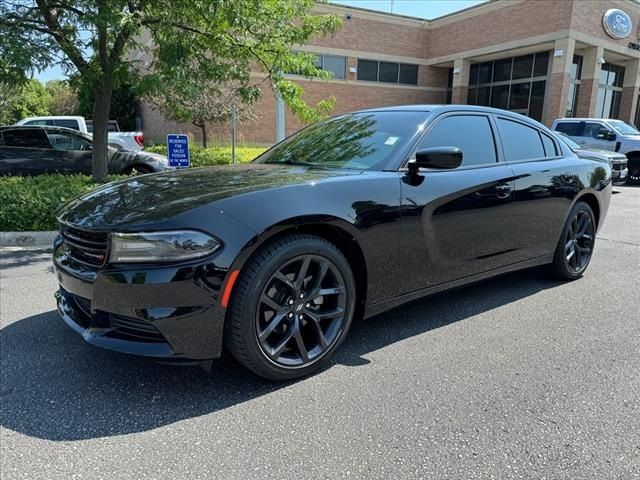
(516, 84)
(609, 91)
(387, 72)
(574, 86)
(637, 118)
(335, 64)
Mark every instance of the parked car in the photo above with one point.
(119, 140)
(36, 150)
(605, 134)
(617, 161)
(349, 217)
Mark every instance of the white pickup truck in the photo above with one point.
(133, 141)
(605, 134)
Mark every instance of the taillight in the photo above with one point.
(139, 139)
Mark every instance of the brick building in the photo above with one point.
(543, 58)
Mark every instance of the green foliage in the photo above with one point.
(205, 157)
(28, 100)
(63, 100)
(29, 203)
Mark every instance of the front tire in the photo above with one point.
(291, 308)
(575, 247)
(633, 170)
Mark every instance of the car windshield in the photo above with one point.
(359, 141)
(623, 128)
(572, 144)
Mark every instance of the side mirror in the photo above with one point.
(441, 158)
(611, 137)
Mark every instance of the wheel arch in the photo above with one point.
(591, 200)
(337, 231)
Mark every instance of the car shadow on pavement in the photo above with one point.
(56, 387)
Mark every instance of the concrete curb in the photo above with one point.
(28, 240)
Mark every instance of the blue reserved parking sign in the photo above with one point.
(178, 150)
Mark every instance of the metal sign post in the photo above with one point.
(234, 119)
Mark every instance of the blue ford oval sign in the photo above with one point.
(617, 23)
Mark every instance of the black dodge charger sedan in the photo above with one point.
(349, 217)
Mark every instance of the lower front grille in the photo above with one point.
(88, 248)
(134, 329)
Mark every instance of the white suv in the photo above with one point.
(605, 134)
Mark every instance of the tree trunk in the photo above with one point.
(101, 106)
(203, 127)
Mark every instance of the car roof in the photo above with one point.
(583, 119)
(53, 117)
(43, 127)
(435, 109)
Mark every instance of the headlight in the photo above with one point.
(161, 246)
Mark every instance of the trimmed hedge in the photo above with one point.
(29, 203)
(206, 157)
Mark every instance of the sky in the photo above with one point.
(427, 9)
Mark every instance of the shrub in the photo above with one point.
(204, 157)
(29, 203)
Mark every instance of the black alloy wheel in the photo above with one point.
(575, 246)
(301, 310)
(579, 241)
(291, 308)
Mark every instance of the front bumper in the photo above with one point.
(169, 312)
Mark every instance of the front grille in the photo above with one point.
(135, 330)
(88, 248)
(620, 166)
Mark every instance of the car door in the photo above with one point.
(74, 150)
(27, 151)
(456, 223)
(545, 184)
(599, 136)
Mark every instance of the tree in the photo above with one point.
(63, 100)
(212, 103)
(220, 40)
(24, 100)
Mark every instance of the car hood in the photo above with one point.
(152, 199)
(592, 153)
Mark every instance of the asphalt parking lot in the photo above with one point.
(516, 377)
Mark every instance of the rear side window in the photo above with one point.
(568, 128)
(39, 122)
(549, 145)
(520, 141)
(27, 138)
(67, 123)
(471, 133)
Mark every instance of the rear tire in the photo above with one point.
(138, 170)
(575, 246)
(633, 170)
(291, 307)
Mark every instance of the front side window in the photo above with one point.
(358, 141)
(595, 130)
(520, 141)
(470, 133)
(68, 141)
(25, 138)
